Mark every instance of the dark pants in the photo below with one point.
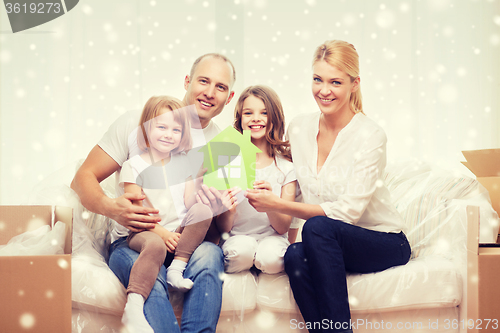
(317, 267)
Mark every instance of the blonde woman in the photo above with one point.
(339, 155)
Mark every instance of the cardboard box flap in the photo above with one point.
(65, 214)
(483, 163)
(467, 165)
(15, 220)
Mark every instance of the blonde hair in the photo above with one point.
(275, 128)
(342, 55)
(153, 108)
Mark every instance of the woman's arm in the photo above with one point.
(362, 182)
(280, 222)
(266, 201)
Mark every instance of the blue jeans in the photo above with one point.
(202, 303)
(317, 267)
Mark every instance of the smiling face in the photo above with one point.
(254, 117)
(209, 88)
(332, 89)
(164, 135)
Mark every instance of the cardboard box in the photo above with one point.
(483, 270)
(485, 164)
(35, 291)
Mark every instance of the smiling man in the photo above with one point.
(209, 89)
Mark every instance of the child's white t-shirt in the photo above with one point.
(166, 195)
(250, 222)
(120, 140)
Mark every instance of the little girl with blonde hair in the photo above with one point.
(161, 174)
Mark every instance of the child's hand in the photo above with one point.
(228, 198)
(171, 239)
(211, 197)
(262, 185)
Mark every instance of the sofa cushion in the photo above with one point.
(95, 288)
(422, 195)
(274, 293)
(427, 282)
(239, 293)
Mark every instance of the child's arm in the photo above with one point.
(191, 189)
(279, 222)
(292, 235)
(225, 221)
(170, 238)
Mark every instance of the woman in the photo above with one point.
(339, 158)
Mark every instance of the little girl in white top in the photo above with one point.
(255, 238)
(161, 174)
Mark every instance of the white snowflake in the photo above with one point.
(87, 9)
(27, 320)
(212, 26)
(385, 19)
(496, 19)
(494, 40)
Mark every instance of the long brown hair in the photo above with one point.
(275, 128)
(344, 56)
(153, 108)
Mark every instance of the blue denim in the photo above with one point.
(202, 303)
(317, 267)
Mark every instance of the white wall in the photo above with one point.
(429, 71)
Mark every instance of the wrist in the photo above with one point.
(279, 205)
(230, 212)
(104, 204)
(162, 232)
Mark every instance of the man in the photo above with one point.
(208, 88)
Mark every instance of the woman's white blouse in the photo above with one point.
(350, 185)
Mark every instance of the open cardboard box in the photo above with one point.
(483, 270)
(485, 164)
(35, 291)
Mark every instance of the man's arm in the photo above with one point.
(97, 167)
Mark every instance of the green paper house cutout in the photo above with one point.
(230, 159)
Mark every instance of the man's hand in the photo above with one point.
(135, 218)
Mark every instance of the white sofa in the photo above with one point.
(427, 294)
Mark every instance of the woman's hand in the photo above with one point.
(262, 200)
